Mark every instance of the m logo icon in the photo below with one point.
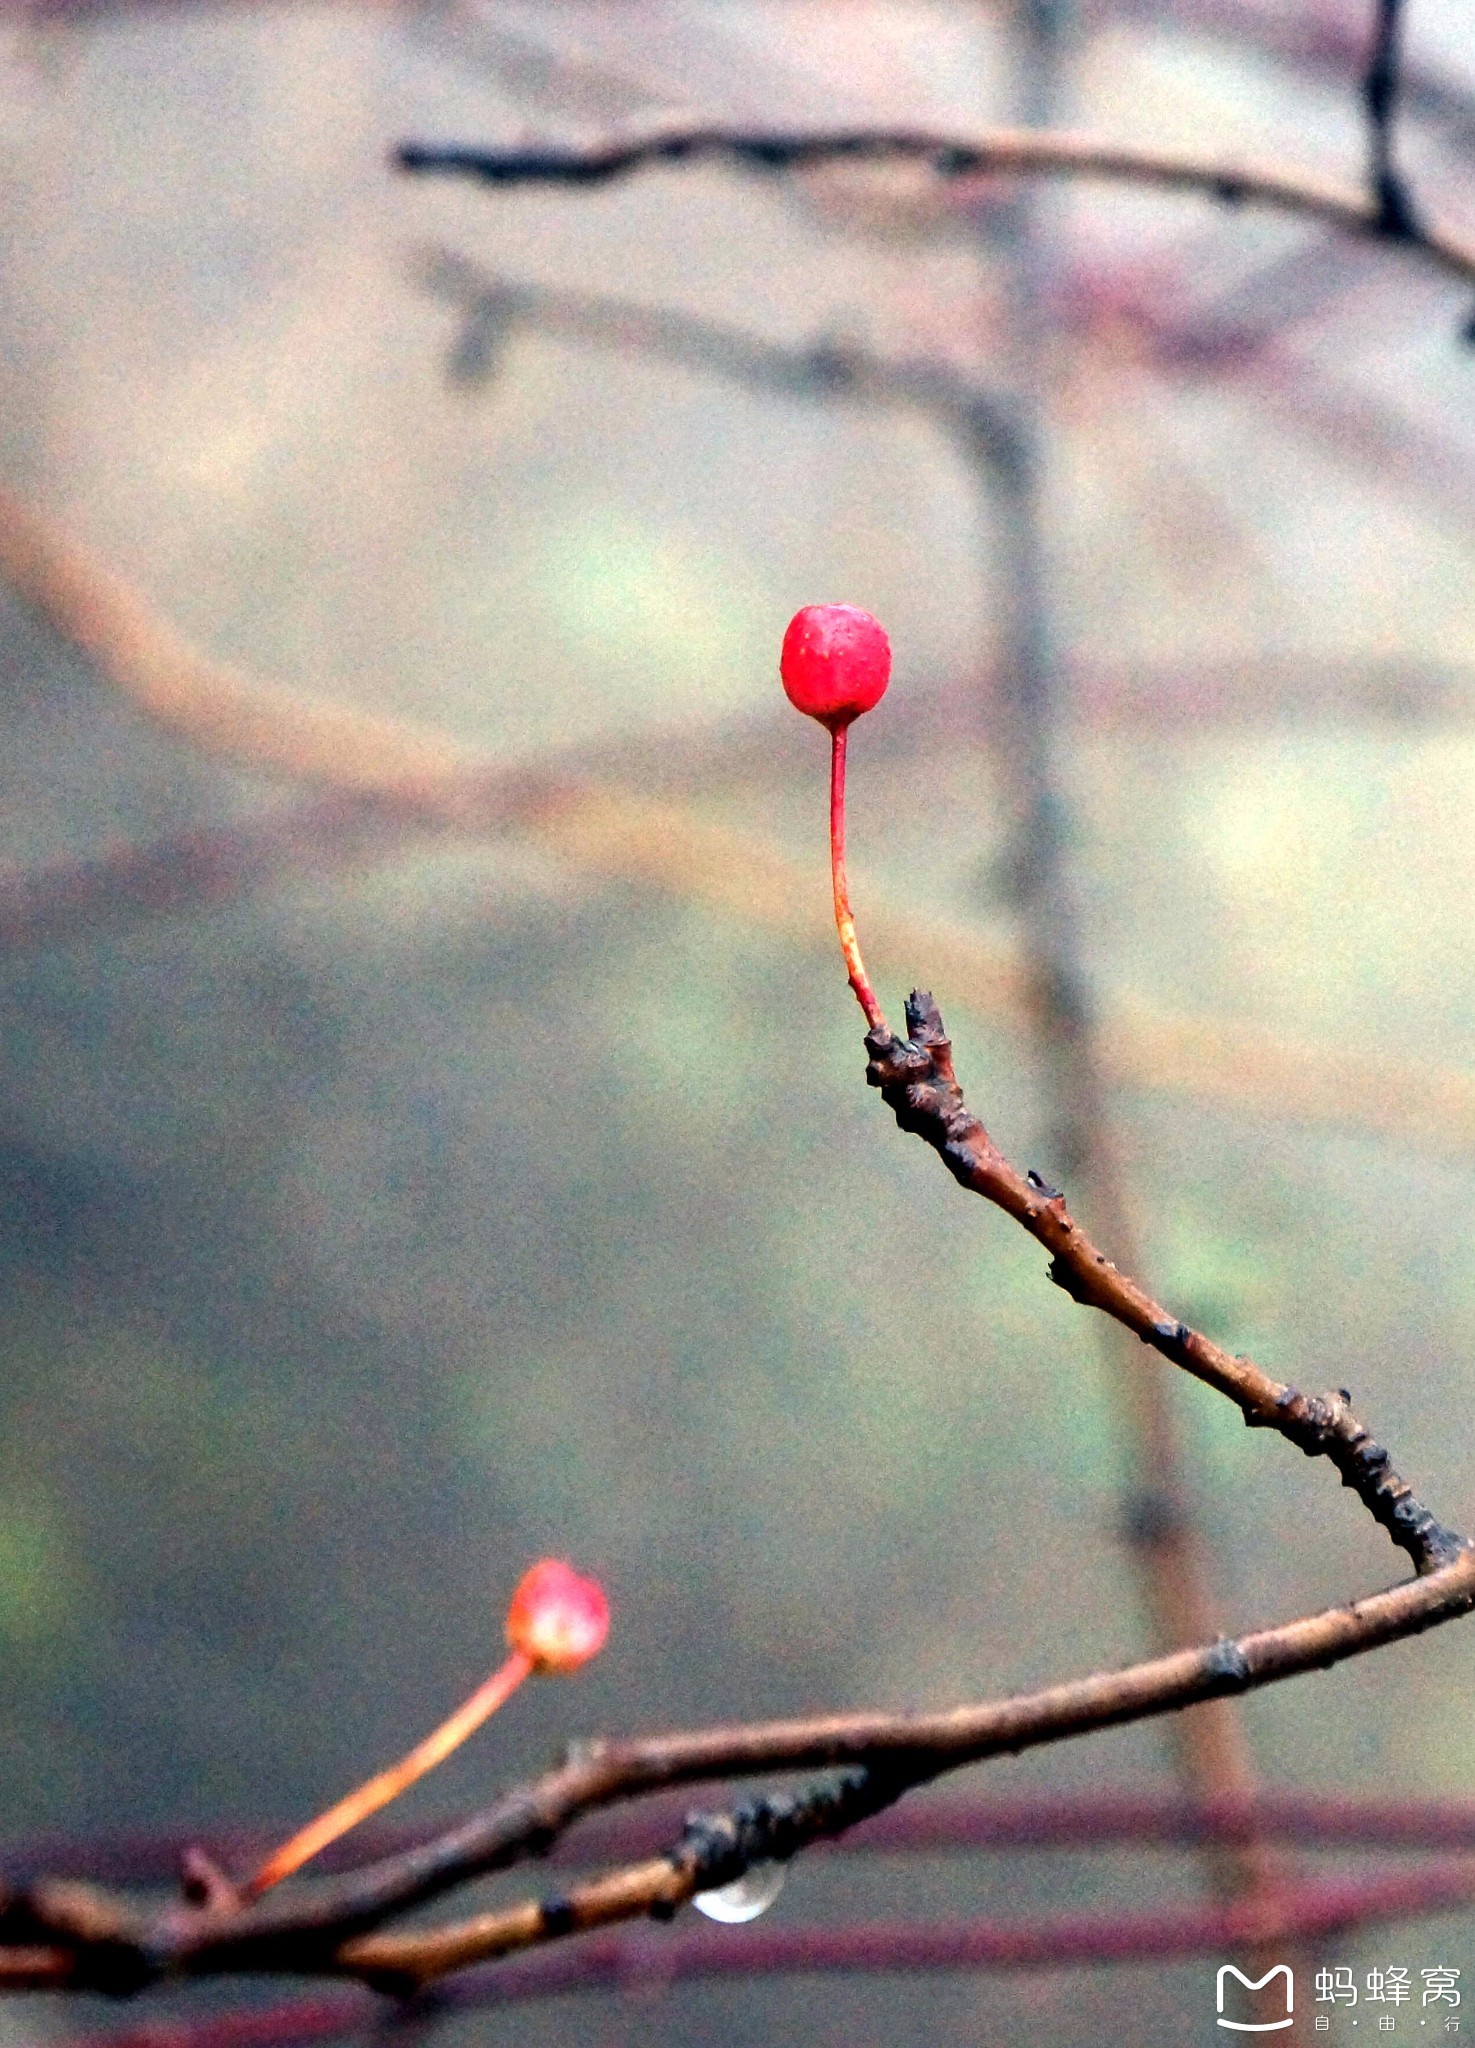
(1257, 1984)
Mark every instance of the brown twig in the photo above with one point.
(624, 1963)
(308, 1929)
(916, 1079)
(333, 1926)
(1061, 1941)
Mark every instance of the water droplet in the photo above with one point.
(746, 1897)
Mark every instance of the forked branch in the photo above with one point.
(65, 1935)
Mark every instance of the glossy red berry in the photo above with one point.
(836, 662)
(556, 1619)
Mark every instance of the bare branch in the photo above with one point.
(304, 1928)
(1018, 151)
(916, 1080)
(829, 368)
(622, 1963)
(1056, 1942)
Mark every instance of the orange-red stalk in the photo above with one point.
(860, 981)
(387, 1785)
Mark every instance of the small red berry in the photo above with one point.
(836, 662)
(556, 1619)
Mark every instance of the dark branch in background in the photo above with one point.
(958, 1823)
(1015, 151)
(835, 367)
(1397, 215)
(1208, 1745)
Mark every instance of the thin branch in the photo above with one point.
(830, 368)
(304, 1928)
(1023, 152)
(916, 1079)
(1063, 1941)
(625, 1963)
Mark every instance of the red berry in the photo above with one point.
(557, 1619)
(836, 662)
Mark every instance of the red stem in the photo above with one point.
(860, 981)
(386, 1785)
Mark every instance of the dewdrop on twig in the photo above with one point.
(746, 1897)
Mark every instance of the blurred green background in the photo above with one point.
(368, 1234)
